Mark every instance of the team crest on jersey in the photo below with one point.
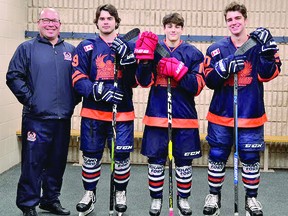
(105, 70)
(67, 56)
(88, 47)
(215, 52)
(31, 136)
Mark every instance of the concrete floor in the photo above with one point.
(272, 194)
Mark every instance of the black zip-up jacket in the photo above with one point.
(39, 75)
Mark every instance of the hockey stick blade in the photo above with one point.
(131, 34)
(162, 51)
(245, 47)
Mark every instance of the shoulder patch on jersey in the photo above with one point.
(88, 47)
(215, 52)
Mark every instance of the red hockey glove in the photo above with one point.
(145, 46)
(172, 67)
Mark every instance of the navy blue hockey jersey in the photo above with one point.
(94, 61)
(251, 111)
(184, 114)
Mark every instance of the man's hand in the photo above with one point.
(172, 67)
(121, 48)
(111, 94)
(262, 35)
(146, 45)
(269, 49)
(230, 64)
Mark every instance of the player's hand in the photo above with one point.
(172, 67)
(262, 35)
(230, 64)
(110, 94)
(146, 45)
(269, 49)
(121, 48)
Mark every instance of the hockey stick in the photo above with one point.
(127, 37)
(170, 146)
(164, 53)
(240, 51)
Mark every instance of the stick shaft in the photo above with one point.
(129, 36)
(170, 145)
(235, 108)
(240, 51)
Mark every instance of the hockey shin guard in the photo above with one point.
(91, 171)
(251, 178)
(216, 175)
(122, 174)
(156, 177)
(184, 180)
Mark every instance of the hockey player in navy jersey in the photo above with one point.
(185, 68)
(259, 64)
(93, 78)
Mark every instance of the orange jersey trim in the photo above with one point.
(208, 71)
(276, 73)
(176, 123)
(107, 116)
(243, 123)
(201, 83)
(76, 76)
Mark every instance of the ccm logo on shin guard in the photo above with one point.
(123, 147)
(191, 153)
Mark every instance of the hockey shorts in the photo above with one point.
(249, 139)
(186, 142)
(95, 134)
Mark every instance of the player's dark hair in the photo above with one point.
(235, 6)
(174, 18)
(111, 10)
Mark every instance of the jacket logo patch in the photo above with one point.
(215, 52)
(31, 136)
(67, 56)
(88, 47)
